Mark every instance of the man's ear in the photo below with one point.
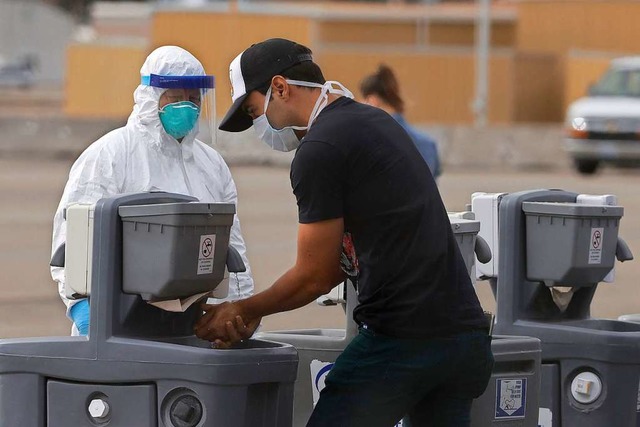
(280, 87)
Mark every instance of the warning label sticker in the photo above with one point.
(205, 253)
(511, 398)
(595, 245)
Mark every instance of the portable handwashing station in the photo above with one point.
(552, 249)
(141, 365)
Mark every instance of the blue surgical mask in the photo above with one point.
(179, 118)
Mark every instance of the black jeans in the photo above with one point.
(378, 380)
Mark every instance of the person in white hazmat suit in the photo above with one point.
(156, 150)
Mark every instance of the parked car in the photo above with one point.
(604, 126)
(17, 73)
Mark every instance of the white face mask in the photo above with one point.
(285, 139)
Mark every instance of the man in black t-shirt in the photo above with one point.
(423, 347)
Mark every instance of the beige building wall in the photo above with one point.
(216, 38)
(600, 29)
(583, 69)
(561, 25)
(433, 57)
(503, 34)
(366, 32)
(411, 33)
(101, 79)
(538, 85)
(436, 87)
(439, 85)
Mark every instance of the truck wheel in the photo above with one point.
(586, 167)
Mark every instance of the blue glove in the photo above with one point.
(80, 315)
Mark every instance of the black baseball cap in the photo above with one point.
(252, 69)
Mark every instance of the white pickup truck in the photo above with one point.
(604, 126)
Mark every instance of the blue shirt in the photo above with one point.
(425, 144)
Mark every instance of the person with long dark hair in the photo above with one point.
(381, 89)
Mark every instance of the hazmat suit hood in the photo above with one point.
(167, 61)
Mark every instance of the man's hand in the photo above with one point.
(316, 271)
(224, 325)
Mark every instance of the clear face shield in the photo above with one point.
(187, 103)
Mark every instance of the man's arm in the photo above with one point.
(316, 272)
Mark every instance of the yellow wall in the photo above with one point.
(582, 70)
(503, 34)
(445, 81)
(366, 32)
(563, 27)
(411, 32)
(440, 87)
(451, 34)
(213, 38)
(436, 87)
(534, 82)
(101, 79)
(538, 82)
(560, 25)
(216, 38)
